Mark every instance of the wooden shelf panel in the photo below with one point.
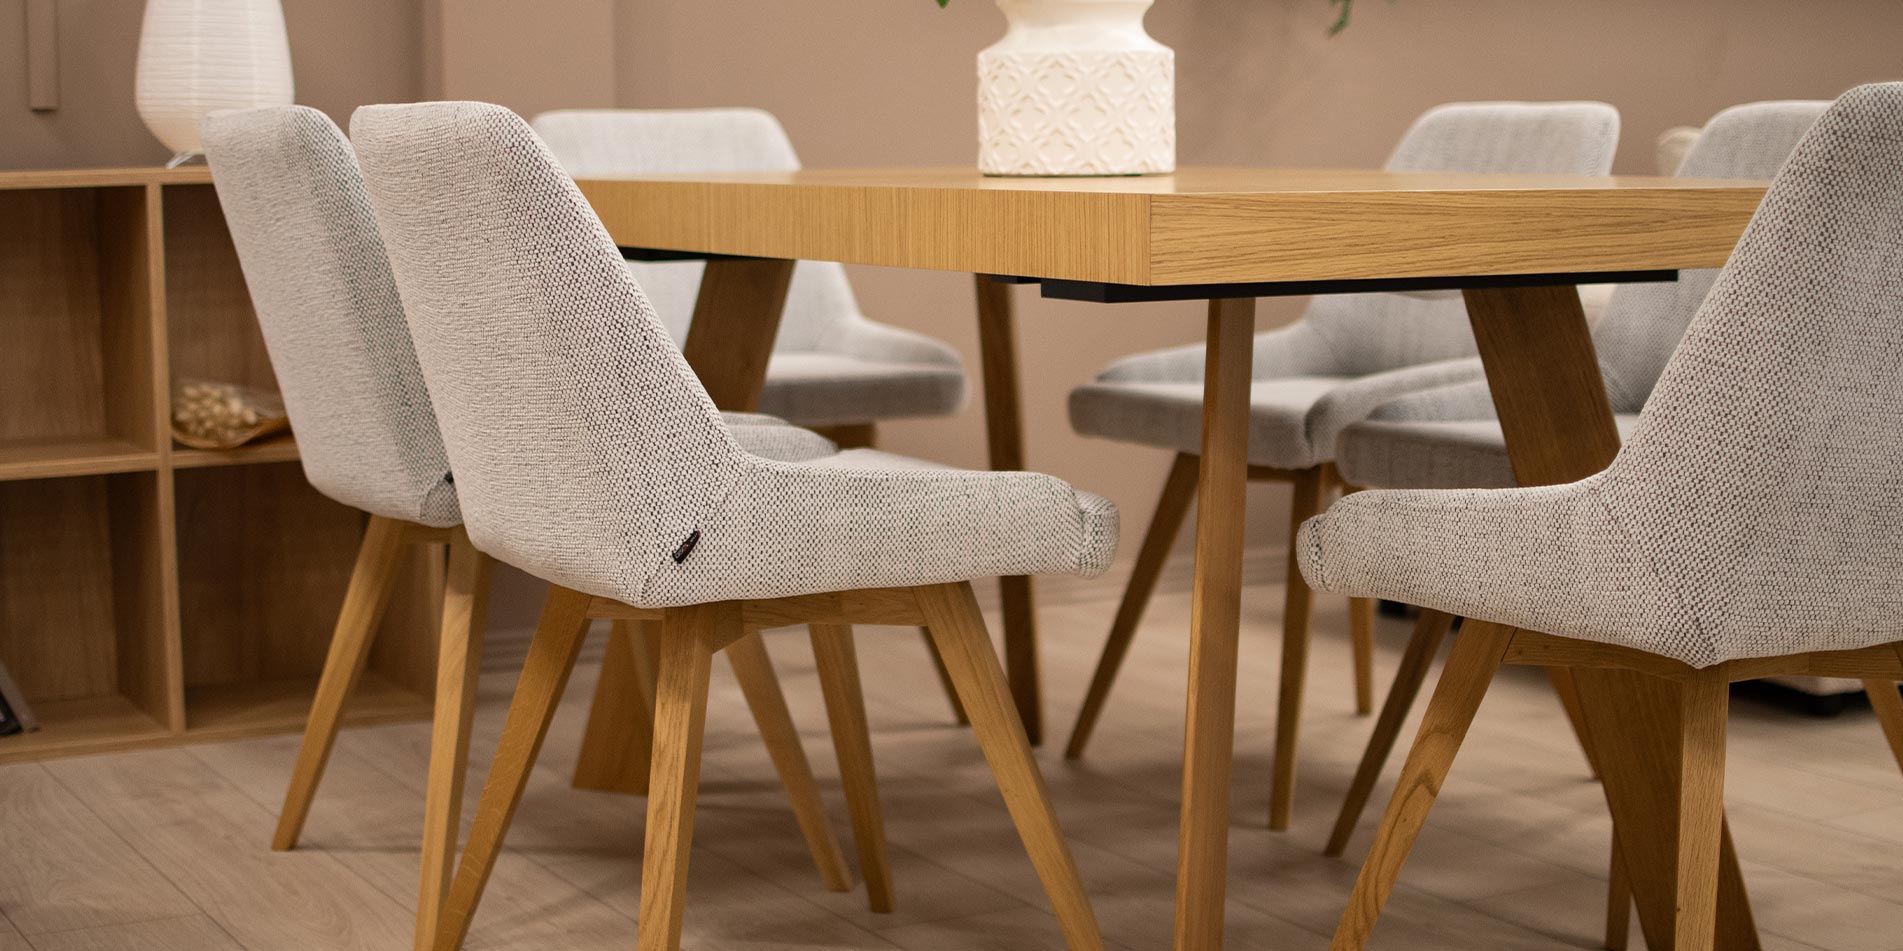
(282, 448)
(103, 177)
(54, 458)
(258, 708)
(90, 725)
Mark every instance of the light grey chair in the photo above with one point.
(588, 454)
(334, 328)
(1347, 355)
(1449, 438)
(832, 369)
(1752, 524)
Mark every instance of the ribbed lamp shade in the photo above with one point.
(197, 57)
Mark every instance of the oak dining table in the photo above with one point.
(1514, 247)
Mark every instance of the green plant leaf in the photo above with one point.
(1341, 22)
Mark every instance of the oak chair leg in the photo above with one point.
(1179, 490)
(368, 594)
(1307, 502)
(761, 687)
(1665, 792)
(680, 722)
(1618, 901)
(838, 666)
(458, 669)
(957, 626)
(551, 658)
(1361, 634)
(1889, 709)
(614, 756)
(1476, 656)
(1429, 630)
(1701, 811)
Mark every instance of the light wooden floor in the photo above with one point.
(167, 850)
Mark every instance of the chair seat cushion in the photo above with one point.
(1454, 454)
(831, 389)
(1170, 416)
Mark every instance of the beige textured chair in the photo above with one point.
(1449, 438)
(1751, 525)
(334, 328)
(588, 454)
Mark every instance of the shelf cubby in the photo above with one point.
(83, 620)
(257, 548)
(78, 393)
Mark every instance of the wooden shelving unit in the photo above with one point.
(152, 594)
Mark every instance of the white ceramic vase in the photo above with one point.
(1076, 87)
(197, 57)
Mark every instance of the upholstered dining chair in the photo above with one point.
(1448, 437)
(1752, 523)
(587, 453)
(1347, 355)
(334, 329)
(833, 369)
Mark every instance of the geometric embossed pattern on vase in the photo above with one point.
(1083, 112)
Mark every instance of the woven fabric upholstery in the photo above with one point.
(1757, 509)
(1306, 373)
(332, 320)
(586, 451)
(1634, 337)
(831, 365)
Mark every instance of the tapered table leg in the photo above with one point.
(1202, 852)
(1004, 434)
(1552, 404)
(736, 318)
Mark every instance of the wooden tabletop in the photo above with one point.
(1198, 226)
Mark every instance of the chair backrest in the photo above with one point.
(604, 143)
(1643, 322)
(1764, 481)
(586, 450)
(1370, 333)
(332, 320)
(1510, 138)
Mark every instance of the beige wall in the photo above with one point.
(527, 56)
